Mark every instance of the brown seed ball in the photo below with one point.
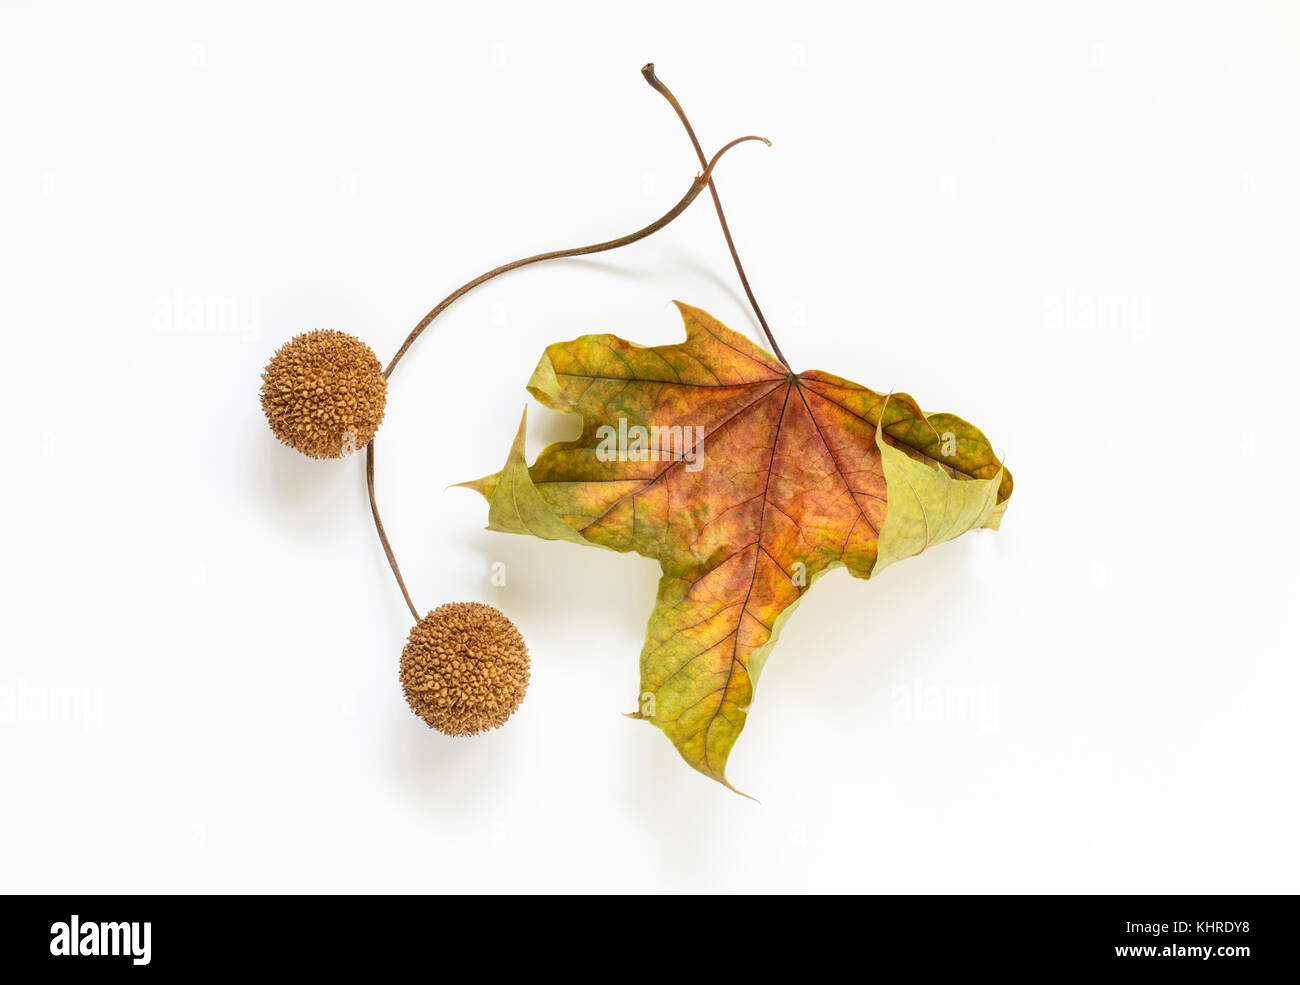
(323, 393)
(465, 668)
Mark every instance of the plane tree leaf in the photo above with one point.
(745, 482)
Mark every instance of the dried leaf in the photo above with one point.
(746, 483)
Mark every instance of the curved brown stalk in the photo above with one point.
(649, 72)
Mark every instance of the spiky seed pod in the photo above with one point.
(465, 668)
(323, 393)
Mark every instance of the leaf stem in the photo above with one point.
(649, 72)
(697, 185)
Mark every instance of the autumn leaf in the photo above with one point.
(746, 483)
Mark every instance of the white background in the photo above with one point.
(1073, 224)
